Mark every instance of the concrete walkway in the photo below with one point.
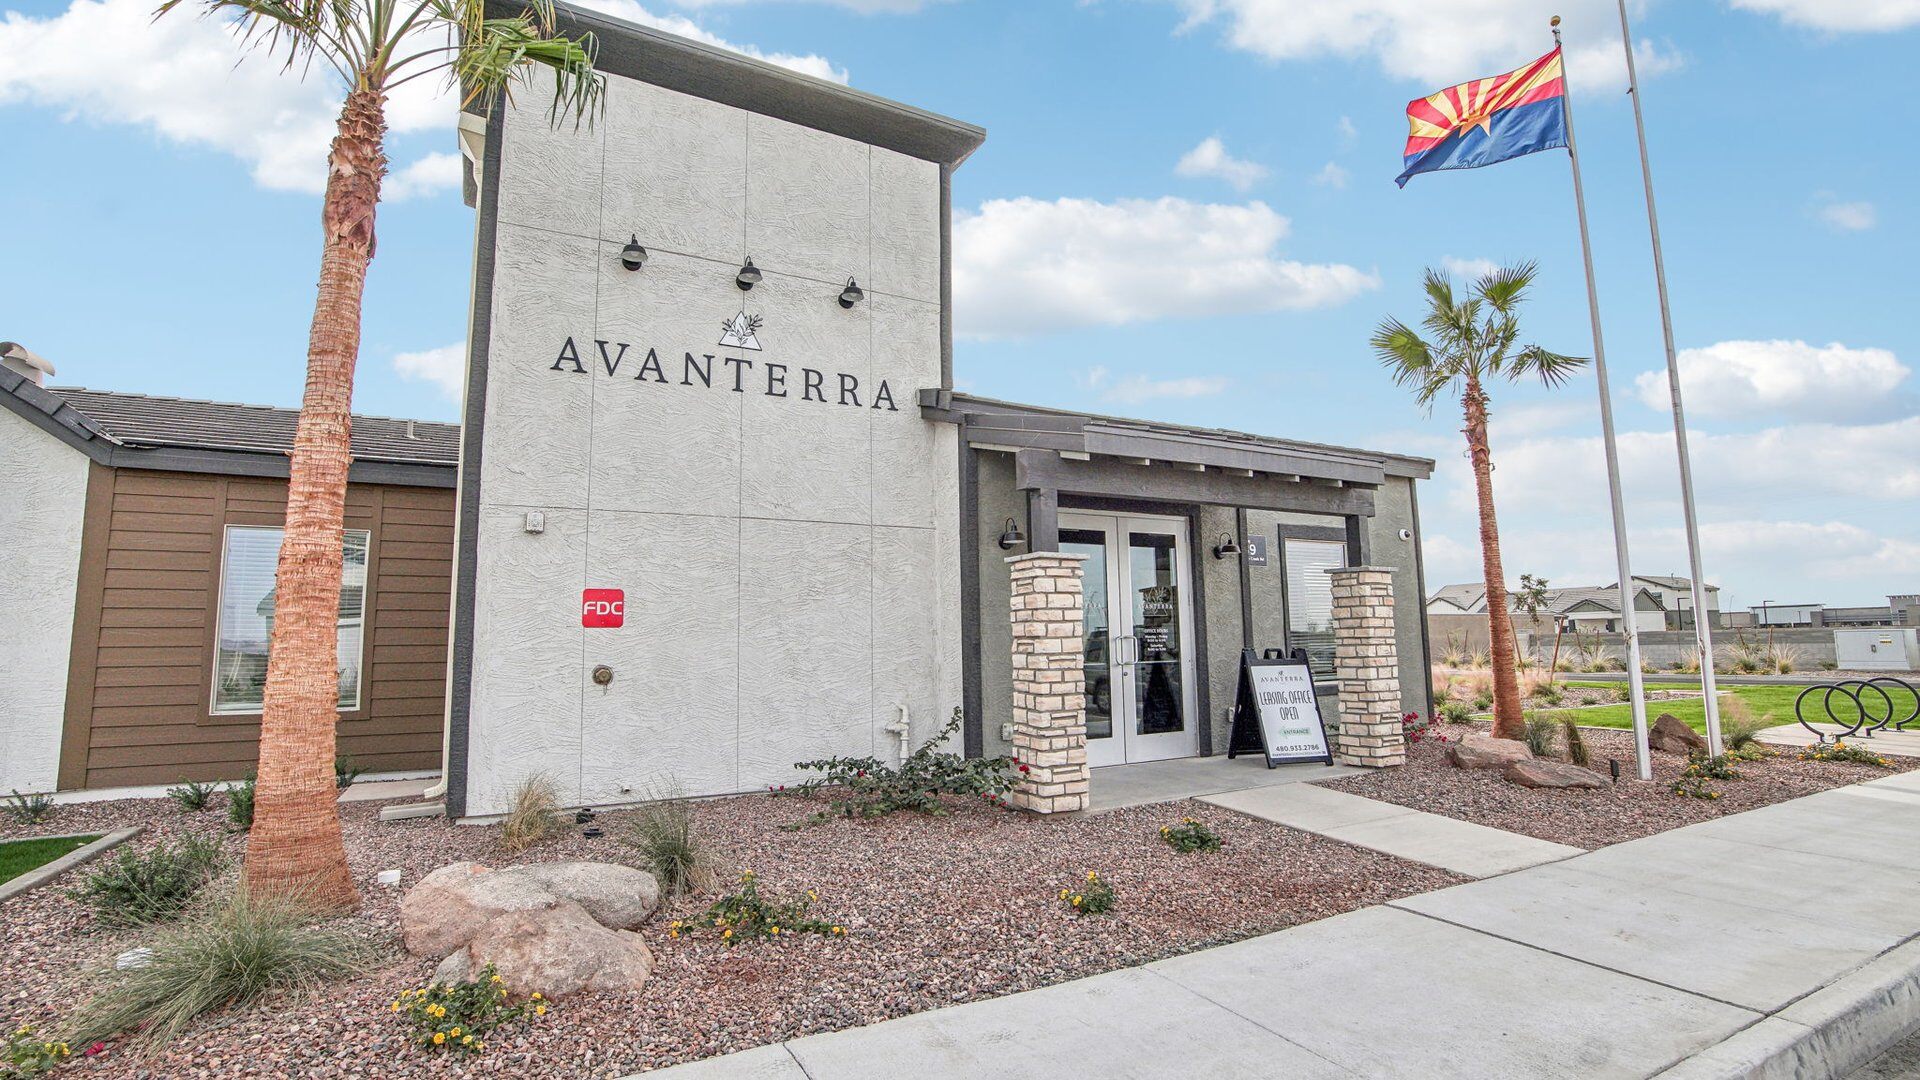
(1139, 784)
(1780, 942)
(1888, 743)
(1467, 849)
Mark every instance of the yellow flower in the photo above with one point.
(775, 931)
(480, 1046)
(1063, 894)
(839, 930)
(539, 1010)
(726, 935)
(497, 980)
(396, 1006)
(673, 933)
(813, 894)
(439, 1037)
(466, 1040)
(455, 1033)
(1076, 901)
(1091, 876)
(539, 997)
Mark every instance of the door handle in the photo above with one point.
(1123, 653)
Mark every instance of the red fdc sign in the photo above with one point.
(603, 607)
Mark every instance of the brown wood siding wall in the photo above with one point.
(142, 672)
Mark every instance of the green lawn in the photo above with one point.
(19, 856)
(1762, 700)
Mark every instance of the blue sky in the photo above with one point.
(161, 237)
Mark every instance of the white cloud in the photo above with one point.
(1332, 175)
(1026, 266)
(864, 7)
(190, 81)
(1736, 379)
(1135, 389)
(429, 175)
(1469, 270)
(1210, 159)
(1849, 216)
(444, 367)
(1348, 133)
(806, 64)
(1858, 16)
(1441, 44)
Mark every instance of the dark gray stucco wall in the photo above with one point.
(1394, 510)
(1220, 585)
(998, 502)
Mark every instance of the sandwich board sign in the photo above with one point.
(1277, 714)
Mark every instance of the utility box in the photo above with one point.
(1886, 648)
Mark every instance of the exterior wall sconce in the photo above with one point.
(748, 277)
(851, 295)
(1226, 548)
(1013, 537)
(633, 256)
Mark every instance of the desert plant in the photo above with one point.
(868, 787)
(748, 913)
(345, 772)
(1718, 767)
(28, 809)
(1695, 787)
(1576, 742)
(193, 796)
(1538, 733)
(136, 888)
(1839, 750)
(224, 958)
(240, 805)
(1094, 897)
(1739, 728)
(1482, 702)
(533, 813)
(458, 1017)
(1689, 663)
(1829, 665)
(1189, 836)
(1623, 692)
(662, 832)
(28, 1056)
(1549, 694)
(1454, 712)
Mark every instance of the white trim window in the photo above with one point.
(1310, 599)
(247, 563)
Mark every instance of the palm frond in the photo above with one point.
(1503, 289)
(1553, 368)
(495, 51)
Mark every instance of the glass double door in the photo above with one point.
(1138, 645)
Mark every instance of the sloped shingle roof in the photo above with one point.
(143, 420)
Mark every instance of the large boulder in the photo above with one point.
(450, 905)
(1671, 734)
(1476, 751)
(1538, 773)
(556, 951)
(616, 896)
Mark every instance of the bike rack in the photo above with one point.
(1865, 721)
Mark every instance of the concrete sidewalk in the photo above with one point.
(1780, 942)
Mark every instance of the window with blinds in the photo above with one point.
(1310, 599)
(246, 617)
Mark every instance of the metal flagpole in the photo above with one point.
(1702, 628)
(1643, 757)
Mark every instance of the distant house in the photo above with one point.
(1676, 600)
(1585, 609)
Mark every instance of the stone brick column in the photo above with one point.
(1367, 660)
(1049, 684)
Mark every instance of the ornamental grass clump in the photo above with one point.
(138, 888)
(1189, 836)
(868, 787)
(662, 833)
(533, 814)
(228, 957)
(746, 914)
(1575, 740)
(192, 797)
(1540, 732)
(240, 805)
(1093, 897)
(1843, 752)
(28, 809)
(458, 1017)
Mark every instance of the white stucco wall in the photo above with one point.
(791, 566)
(43, 494)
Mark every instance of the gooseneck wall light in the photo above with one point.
(851, 295)
(748, 277)
(1226, 548)
(633, 256)
(1013, 537)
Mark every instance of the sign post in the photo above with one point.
(1277, 714)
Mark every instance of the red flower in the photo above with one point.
(1024, 768)
(96, 1049)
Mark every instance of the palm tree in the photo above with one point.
(1530, 597)
(374, 47)
(1472, 341)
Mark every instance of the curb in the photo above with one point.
(1826, 1035)
(39, 876)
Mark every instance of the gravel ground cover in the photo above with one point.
(939, 910)
(1591, 819)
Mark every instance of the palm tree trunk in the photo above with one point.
(295, 845)
(1507, 720)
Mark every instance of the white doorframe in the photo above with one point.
(1117, 657)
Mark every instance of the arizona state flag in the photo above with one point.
(1488, 120)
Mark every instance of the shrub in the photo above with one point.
(345, 772)
(1550, 694)
(533, 813)
(1623, 692)
(1483, 701)
(1540, 730)
(28, 1056)
(1695, 787)
(1189, 836)
(1095, 897)
(1415, 730)
(458, 1018)
(1717, 767)
(240, 805)
(1839, 750)
(872, 788)
(1454, 712)
(1576, 741)
(1829, 665)
(1739, 729)
(228, 957)
(1689, 663)
(745, 913)
(139, 888)
(662, 833)
(28, 809)
(192, 796)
